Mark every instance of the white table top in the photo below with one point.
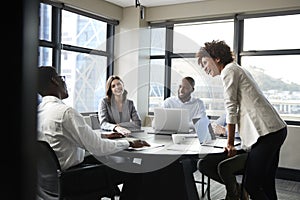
(154, 158)
(190, 146)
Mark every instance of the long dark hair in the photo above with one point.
(108, 91)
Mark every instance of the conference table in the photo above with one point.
(167, 168)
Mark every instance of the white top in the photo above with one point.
(247, 106)
(194, 105)
(69, 135)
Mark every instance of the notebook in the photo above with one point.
(169, 121)
(207, 136)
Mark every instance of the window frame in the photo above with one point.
(55, 42)
(237, 44)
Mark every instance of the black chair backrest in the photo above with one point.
(95, 121)
(48, 168)
(82, 182)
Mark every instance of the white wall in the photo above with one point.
(188, 10)
(132, 53)
(217, 8)
(289, 155)
(98, 7)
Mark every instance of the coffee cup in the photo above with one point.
(177, 139)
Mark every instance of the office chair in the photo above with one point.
(203, 183)
(95, 121)
(243, 194)
(87, 182)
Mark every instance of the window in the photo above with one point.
(84, 54)
(177, 60)
(271, 52)
(156, 90)
(267, 44)
(188, 36)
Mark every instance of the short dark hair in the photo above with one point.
(190, 80)
(45, 74)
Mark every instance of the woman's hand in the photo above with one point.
(231, 150)
(122, 130)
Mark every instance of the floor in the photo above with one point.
(286, 190)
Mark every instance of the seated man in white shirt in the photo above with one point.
(66, 130)
(185, 100)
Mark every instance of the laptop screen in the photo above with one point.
(171, 119)
(203, 129)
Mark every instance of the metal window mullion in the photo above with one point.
(271, 52)
(238, 41)
(56, 37)
(110, 49)
(168, 61)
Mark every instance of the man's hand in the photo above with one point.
(220, 130)
(113, 135)
(138, 143)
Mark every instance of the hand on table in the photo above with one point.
(122, 130)
(231, 150)
(138, 143)
(113, 135)
(219, 130)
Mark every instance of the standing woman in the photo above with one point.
(261, 129)
(115, 111)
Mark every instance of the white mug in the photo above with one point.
(177, 139)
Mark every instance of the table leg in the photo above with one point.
(190, 184)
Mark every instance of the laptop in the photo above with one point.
(207, 136)
(135, 129)
(168, 121)
(203, 129)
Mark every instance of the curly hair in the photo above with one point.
(216, 49)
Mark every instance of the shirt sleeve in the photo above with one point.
(231, 83)
(166, 103)
(82, 134)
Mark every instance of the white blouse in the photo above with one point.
(247, 106)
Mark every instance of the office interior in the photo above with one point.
(23, 57)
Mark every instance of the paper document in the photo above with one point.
(183, 147)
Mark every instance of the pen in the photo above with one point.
(212, 146)
(174, 150)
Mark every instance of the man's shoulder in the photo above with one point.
(196, 99)
(170, 101)
(172, 98)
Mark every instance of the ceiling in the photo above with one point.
(149, 3)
